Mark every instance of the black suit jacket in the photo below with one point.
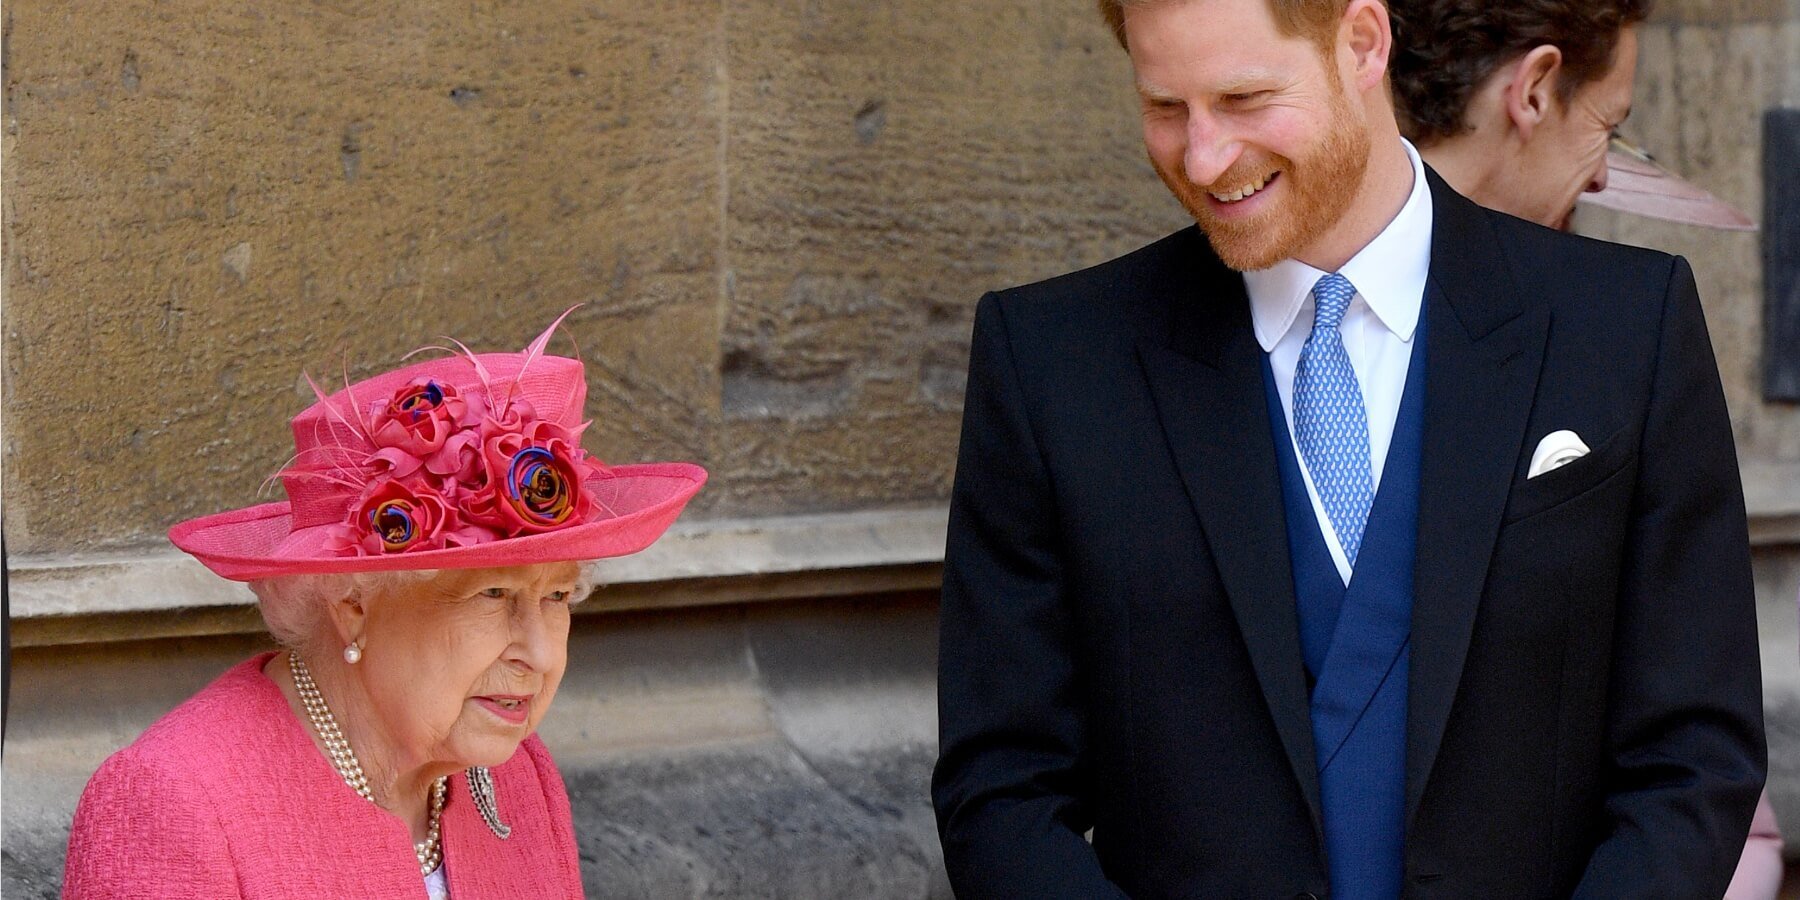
(1119, 648)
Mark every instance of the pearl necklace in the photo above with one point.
(429, 851)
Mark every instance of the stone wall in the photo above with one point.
(778, 215)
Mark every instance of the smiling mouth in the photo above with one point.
(1245, 191)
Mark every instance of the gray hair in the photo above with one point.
(295, 607)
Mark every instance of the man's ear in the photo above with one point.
(1531, 94)
(1367, 33)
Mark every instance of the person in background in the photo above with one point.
(1517, 104)
(418, 580)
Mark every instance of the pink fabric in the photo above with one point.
(226, 797)
(1759, 869)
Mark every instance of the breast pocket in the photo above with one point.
(1558, 486)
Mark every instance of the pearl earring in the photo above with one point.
(352, 654)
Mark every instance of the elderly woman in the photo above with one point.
(419, 579)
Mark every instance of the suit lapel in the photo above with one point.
(1205, 375)
(1487, 345)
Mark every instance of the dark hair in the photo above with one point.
(1445, 49)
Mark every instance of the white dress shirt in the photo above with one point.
(1389, 275)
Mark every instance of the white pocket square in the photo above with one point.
(1557, 449)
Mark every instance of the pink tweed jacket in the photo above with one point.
(226, 797)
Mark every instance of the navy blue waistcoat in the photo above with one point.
(1354, 642)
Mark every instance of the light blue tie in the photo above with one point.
(1330, 422)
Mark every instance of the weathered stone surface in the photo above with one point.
(888, 164)
(779, 219)
(202, 200)
(656, 681)
(751, 821)
(1721, 12)
(1792, 94)
(36, 838)
(1777, 588)
(856, 697)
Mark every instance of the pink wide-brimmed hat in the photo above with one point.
(1636, 183)
(466, 461)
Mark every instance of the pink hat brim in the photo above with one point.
(1642, 187)
(260, 542)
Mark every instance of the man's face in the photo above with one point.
(1566, 155)
(1251, 129)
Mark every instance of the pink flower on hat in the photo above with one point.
(393, 517)
(533, 480)
(412, 427)
(418, 418)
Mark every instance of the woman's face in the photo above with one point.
(462, 667)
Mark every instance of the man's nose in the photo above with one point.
(1597, 183)
(1210, 150)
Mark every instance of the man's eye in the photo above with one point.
(557, 596)
(496, 593)
(1245, 96)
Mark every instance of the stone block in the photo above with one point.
(1791, 97)
(1781, 254)
(639, 682)
(1777, 587)
(752, 821)
(1721, 12)
(204, 200)
(888, 164)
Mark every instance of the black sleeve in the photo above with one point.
(1006, 789)
(1686, 754)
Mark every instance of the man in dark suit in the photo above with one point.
(1358, 543)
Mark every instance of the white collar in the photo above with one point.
(1389, 272)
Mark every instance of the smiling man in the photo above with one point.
(1359, 542)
